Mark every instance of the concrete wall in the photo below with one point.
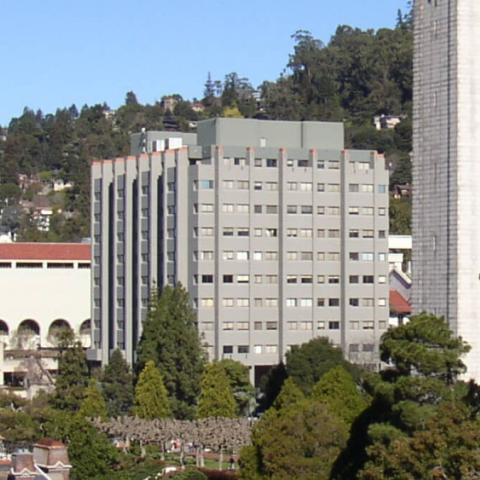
(44, 295)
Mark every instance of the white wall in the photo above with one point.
(44, 295)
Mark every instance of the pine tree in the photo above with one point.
(72, 378)
(93, 405)
(151, 399)
(216, 396)
(117, 384)
(171, 340)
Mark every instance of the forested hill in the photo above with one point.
(358, 75)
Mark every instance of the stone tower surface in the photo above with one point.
(446, 142)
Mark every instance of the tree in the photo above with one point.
(117, 385)
(271, 384)
(301, 441)
(171, 340)
(72, 378)
(239, 379)
(400, 212)
(338, 391)
(424, 359)
(91, 454)
(93, 405)
(131, 98)
(216, 396)
(151, 399)
(307, 363)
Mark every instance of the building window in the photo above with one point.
(291, 209)
(272, 186)
(353, 279)
(257, 256)
(242, 255)
(271, 255)
(272, 326)
(258, 326)
(243, 278)
(204, 184)
(334, 233)
(334, 325)
(333, 279)
(271, 302)
(228, 302)
(382, 211)
(353, 187)
(305, 232)
(306, 256)
(270, 232)
(353, 210)
(243, 232)
(320, 302)
(227, 349)
(291, 279)
(243, 349)
(306, 302)
(367, 278)
(272, 162)
(257, 208)
(333, 187)
(243, 184)
(228, 184)
(333, 302)
(305, 186)
(291, 302)
(382, 279)
(227, 231)
(272, 209)
(366, 188)
(291, 186)
(228, 279)
(257, 186)
(227, 208)
(243, 302)
(367, 210)
(292, 255)
(306, 209)
(354, 302)
(367, 233)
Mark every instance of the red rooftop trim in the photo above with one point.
(45, 251)
(399, 304)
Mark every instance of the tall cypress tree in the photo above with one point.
(171, 340)
(72, 378)
(216, 397)
(151, 399)
(117, 384)
(93, 405)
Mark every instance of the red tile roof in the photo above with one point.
(45, 251)
(399, 304)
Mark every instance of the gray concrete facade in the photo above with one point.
(446, 141)
(278, 233)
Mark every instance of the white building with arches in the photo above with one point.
(44, 287)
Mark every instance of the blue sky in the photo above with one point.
(55, 52)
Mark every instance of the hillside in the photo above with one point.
(358, 75)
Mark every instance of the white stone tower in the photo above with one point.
(446, 173)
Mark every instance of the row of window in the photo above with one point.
(244, 255)
(51, 265)
(321, 325)
(208, 302)
(291, 279)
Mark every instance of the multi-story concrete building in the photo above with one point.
(279, 234)
(446, 231)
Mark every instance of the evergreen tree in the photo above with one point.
(171, 340)
(72, 378)
(91, 453)
(338, 391)
(307, 363)
(151, 399)
(425, 361)
(93, 405)
(239, 378)
(117, 385)
(216, 396)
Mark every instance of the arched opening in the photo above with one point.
(28, 334)
(57, 330)
(86, 333)
(4, 330)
